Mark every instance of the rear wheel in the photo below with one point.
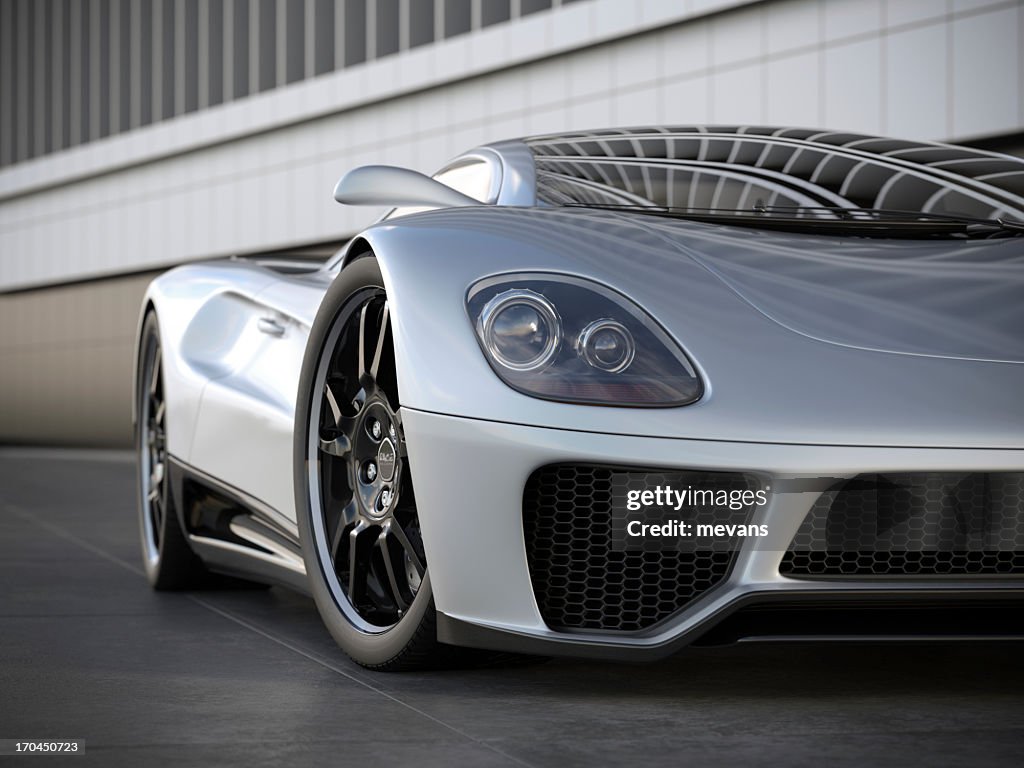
(354, 487)
(168, 559)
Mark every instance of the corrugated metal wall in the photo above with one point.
(255, 173)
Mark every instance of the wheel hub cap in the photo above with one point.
(386, 460)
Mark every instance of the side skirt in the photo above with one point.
(234, 533)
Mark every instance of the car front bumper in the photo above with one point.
(470, 474)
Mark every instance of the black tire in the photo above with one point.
(169, 561)
(383, 623)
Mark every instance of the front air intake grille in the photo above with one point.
(582, 581)
(922, 524)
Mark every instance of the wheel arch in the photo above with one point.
(357, 248)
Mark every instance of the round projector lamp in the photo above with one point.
(520, 329)
(607, 345)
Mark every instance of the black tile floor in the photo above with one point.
(251, 678)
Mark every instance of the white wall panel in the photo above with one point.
(970, 5)
(852, 89)
(911, 11)
(609, 18)
(660, 11)
(581, 23)
(686, 50)
(590, 72)
(637, 106)
(850, 18)
(547, 120)
(737, 96)
(792, 90)
(591, 113)
(916, 83)
(791, 24)
(257, 174)
(737, 37)
(636, 61)
(987, 78)
(548, 83)
(685, 101)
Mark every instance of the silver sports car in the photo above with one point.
(610, 393)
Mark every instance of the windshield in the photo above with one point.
(777, 173)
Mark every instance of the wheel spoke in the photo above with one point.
(345, 519)
(362, 340)
(380, 342)
(399, 534)
(332, 401)
(358, 401)
(382, 544)
(157, 514)
(154, 381)
(356, 579)
(339, 446)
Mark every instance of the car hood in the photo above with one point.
(867, 342)
(941, 298)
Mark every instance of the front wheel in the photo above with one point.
(354, 487)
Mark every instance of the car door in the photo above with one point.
(243, 433)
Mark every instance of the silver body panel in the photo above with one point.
(766, 382)
(821, 355)
(231, 384)
(492, 462)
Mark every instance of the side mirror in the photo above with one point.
(393, 186)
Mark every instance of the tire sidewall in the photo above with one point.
(367, 648)
(150, 335)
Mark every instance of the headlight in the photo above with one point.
(607, 344)
(520, 329)
(567, 339)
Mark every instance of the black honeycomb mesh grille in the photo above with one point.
(921, 524)
(579, 579)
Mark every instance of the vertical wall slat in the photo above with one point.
(179, 57)
(135, 100)
(203, 57)
(57, 22)
(75, 72)
(281, 41)
(114, 36)
(403, 25)
(228, 60)
(309, 35)
(40, 127)
(339, 34)
(6, 83)
(371, 30)
(22, 81)
(95, 73)
(254, 46)
(157, 12)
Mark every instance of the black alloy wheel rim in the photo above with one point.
(363, 510)
(153, 451)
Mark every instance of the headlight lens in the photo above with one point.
(520, 329)
(607, 344)
(563, 338)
